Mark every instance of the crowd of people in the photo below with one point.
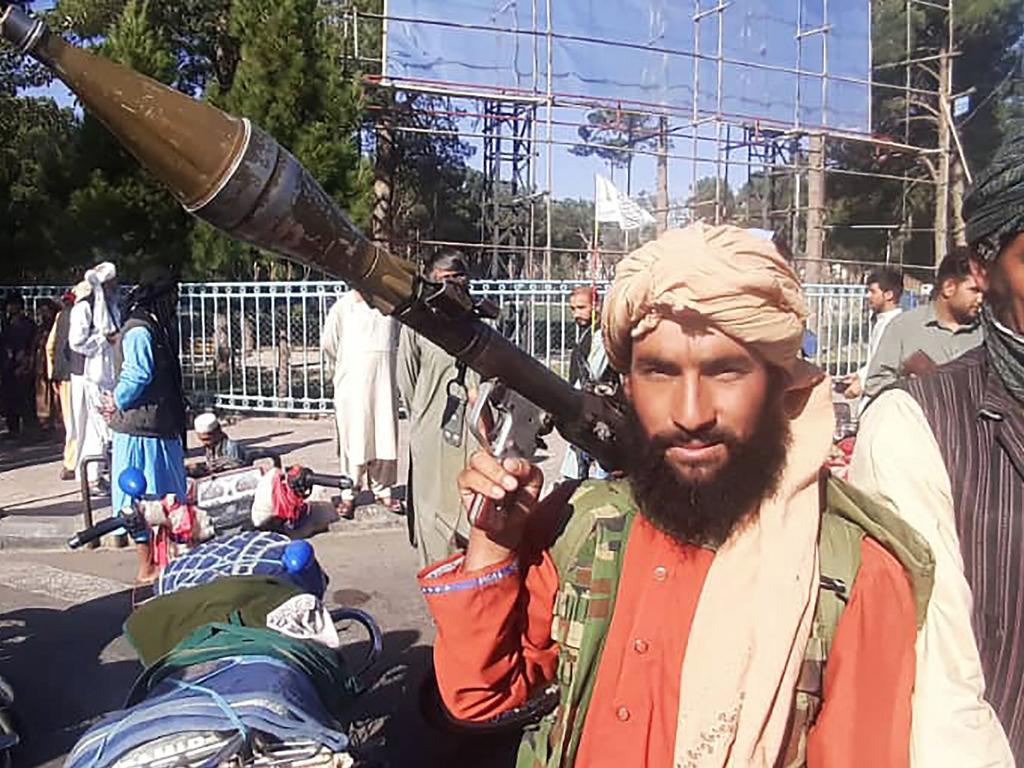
(720, 600)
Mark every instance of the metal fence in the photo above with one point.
(256, 346)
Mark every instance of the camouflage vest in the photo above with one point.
(588, 554)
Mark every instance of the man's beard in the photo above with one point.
(706, 511)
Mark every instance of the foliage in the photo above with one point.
(614, 136)
(986, 35)
(702, 200)
(286, 81)
(274, 62)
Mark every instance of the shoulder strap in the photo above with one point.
(874, 518)
(589, 497)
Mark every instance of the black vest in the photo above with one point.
(65, 360)
(980, 432)
(160, 410)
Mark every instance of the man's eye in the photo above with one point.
(655, 371)
(730, 373)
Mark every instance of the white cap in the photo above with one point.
(206, 423)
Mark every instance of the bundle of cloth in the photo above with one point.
(241, 661)
(175, 528)
(249, 553)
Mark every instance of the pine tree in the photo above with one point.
(289, 82)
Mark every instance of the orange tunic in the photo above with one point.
(493, 649)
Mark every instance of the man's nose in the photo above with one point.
(692, 408)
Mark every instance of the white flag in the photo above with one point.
(612, 206)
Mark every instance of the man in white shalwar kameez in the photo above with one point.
(92, 332)
(361, 345)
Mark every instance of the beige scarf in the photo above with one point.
(755, 612)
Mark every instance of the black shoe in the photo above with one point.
(67, 474)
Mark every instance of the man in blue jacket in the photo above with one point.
(147, 408)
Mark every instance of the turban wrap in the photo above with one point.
(98, 276)
(995, 216)
(995, 207)
(735, 279)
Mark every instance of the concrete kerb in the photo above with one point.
(33, 517)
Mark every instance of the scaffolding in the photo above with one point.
(754, 111)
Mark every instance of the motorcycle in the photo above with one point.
(249, 498)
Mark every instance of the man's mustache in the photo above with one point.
(678, 438)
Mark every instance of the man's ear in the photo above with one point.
(627, 387)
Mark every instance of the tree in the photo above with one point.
(712, 200)
(37, 147)
(197, 31)
(120, 212)
(287, 81)
(425, 190)
(614, 135)
(984, 55)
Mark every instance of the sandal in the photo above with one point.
(391, 504)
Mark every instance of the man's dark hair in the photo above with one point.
(450, 261)
(888, 279)
(956, 266)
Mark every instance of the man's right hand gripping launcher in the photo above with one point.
(515, 431)
(229, 173)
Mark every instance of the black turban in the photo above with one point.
(995, 207)
(155, 282)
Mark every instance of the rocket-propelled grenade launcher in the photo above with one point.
(228, 172)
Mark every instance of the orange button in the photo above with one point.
(622, 713)
(640, 646)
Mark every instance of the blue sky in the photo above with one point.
(754, 32)
(645, 68)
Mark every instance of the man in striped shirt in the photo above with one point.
(948, 450)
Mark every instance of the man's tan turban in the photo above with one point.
(735, 279)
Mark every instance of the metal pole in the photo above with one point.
(824, 63)
(532, 234)
(696, 101)
(549, 106)
(719, 194)
(383, 38)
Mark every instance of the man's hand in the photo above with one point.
(107, 407)
(853, 387)
(511, 488)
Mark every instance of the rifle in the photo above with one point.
(229, 173)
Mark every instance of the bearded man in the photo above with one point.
(724, 604)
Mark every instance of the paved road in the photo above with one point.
(61, 614)
(60, 643)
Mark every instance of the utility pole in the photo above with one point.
(662, 197)
(941, 226)
(815, 250)
(384, 176)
